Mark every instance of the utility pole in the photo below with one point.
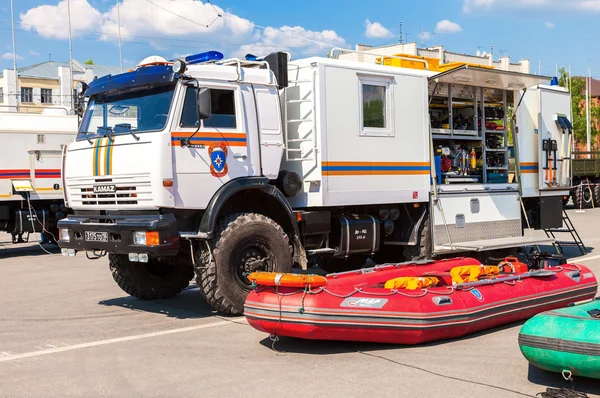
(12, 12)
(120, 44)
(588, 87)
(71, 85)
(401, 32)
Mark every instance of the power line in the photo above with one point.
(186, 18)
(126, 35)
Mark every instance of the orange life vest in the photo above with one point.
(411, 282)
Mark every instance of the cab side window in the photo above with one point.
(223, 113)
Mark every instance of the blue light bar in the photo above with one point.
(252, 57)
(203, 57)
(554, 81)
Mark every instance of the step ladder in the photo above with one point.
(293, 146)
(569, 228)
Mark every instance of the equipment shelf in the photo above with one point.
(455, 106)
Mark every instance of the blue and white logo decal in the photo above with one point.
(218, 160)
(477, 295)
(217, 157)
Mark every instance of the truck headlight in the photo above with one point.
(139, 238)
(63, 234)
(146, 238)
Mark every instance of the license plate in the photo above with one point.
(96, 236)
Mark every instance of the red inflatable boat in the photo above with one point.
(411, 303)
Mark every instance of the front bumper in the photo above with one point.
(120, 231)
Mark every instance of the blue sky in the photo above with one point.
(550, 31)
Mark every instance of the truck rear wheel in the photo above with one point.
(422, 250)
(243, 243)
(583, 196)
(153, 280)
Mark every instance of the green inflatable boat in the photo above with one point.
(564, 341)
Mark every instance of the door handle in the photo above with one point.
(244, 157)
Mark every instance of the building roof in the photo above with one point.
(595, 90)
(49, 70)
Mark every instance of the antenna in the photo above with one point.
(120, 45)
(401, 32)
(12, 13)
(70, 55)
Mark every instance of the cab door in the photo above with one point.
(209, 153)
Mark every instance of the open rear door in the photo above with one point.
(489, 78)
(486, 214)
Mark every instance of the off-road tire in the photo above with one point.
(157, 279)
(583, 196)
(218, 273)
(422, 250)
(596, 192)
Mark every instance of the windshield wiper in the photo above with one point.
(127, 127)
(110, 132)
(87, 137)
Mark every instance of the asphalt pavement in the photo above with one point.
(67, 330)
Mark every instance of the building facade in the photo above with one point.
(46, 86)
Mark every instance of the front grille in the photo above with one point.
(130, 191)
(123, 196)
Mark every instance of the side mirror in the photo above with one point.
(203, 103)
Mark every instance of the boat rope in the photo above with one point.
(438, 374)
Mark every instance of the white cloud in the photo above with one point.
(52, 21)
(446, 26)
(182, 20)
(425, 36)
(482, 5)
(590, 5)
(549, 25)
(34, 53)
(470, 5)
(375, 30)
(293, 39)
(9, 55)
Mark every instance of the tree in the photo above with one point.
(578, 107)
(89, 62)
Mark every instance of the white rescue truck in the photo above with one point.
(224, 167)
(31, 189)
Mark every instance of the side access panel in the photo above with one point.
(477, 221)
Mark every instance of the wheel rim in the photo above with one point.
(251, 255)
(587, 195)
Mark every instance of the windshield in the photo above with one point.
(133, 112)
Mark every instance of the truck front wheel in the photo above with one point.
(156, 279)
(243, 243)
